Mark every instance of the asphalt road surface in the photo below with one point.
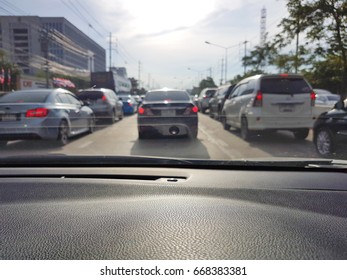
(213, 142)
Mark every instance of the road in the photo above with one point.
(213, 143)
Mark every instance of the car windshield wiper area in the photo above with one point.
(141, 161)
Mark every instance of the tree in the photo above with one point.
(323, 22)
(326, 74)
(206, 83)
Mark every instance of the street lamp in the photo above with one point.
(226, 55)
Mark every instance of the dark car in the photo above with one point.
(129, 103)
(104, 102)
(330, 129)
(204, 98)
(168, 112)
(54, 114)
(217, 100)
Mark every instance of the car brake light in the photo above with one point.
(145, 111)
(141, 111)
(191, 110)
(284, 75)
(258, 100)
(313, 98)
(103, 98)
(37, 113)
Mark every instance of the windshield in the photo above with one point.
(25, 97)
(272, 53)
(278, 85)
(167, 95)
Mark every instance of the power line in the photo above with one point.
(91, 16)
(12, 6)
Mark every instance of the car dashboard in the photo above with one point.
(135, 213)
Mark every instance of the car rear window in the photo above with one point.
(25, 97)
(167, 95)
(91, 95)
(210, 93)
(284, 85)
(333, 97)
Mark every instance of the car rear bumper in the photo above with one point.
(263, 123)
(168, 126)
(28, 130)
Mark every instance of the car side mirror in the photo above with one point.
(340, 105)
(85, 103)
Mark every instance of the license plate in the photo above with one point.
(168, 113)
(286, 108)
(8, 118)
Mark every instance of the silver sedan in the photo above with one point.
(50, 114)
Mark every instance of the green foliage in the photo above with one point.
(206, 83)
(322, 26)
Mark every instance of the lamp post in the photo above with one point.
(226, 56)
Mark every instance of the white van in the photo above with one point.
(270, 102)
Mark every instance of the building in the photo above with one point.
(37, 43)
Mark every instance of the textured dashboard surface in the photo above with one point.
(71, 218)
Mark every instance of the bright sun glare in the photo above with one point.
(152, 16)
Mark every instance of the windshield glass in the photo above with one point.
(272, 54)
(284, 86)
(25, 97)
(167, 95)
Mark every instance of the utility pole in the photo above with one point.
(44, 39)
(221, 72)
(149, 81)
(210, 71)
(245, 43)
(139, 76)
(110, 52)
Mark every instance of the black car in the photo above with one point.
(217, 100)
(330, 129)
(167, 112)
(104, 103)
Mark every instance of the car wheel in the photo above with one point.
(219, 113)
(301, 134)
(210, 113)
(3, 143)
(63, 135)
(113, 117)
(224, 122)
(91, 124)
(142, 135)
(245, 133)
(324, 142)
(194, 133)
(121, 116)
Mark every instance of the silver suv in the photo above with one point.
(270, 102)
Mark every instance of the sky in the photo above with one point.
(162, 42)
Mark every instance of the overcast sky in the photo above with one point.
(167, 36)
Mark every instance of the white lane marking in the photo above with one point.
(86, 144)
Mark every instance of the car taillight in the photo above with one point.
(145, 111)
(191, 110)
(37, 113)
(258, 100)
(141, 111)
(103, 98)
(313, 98)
